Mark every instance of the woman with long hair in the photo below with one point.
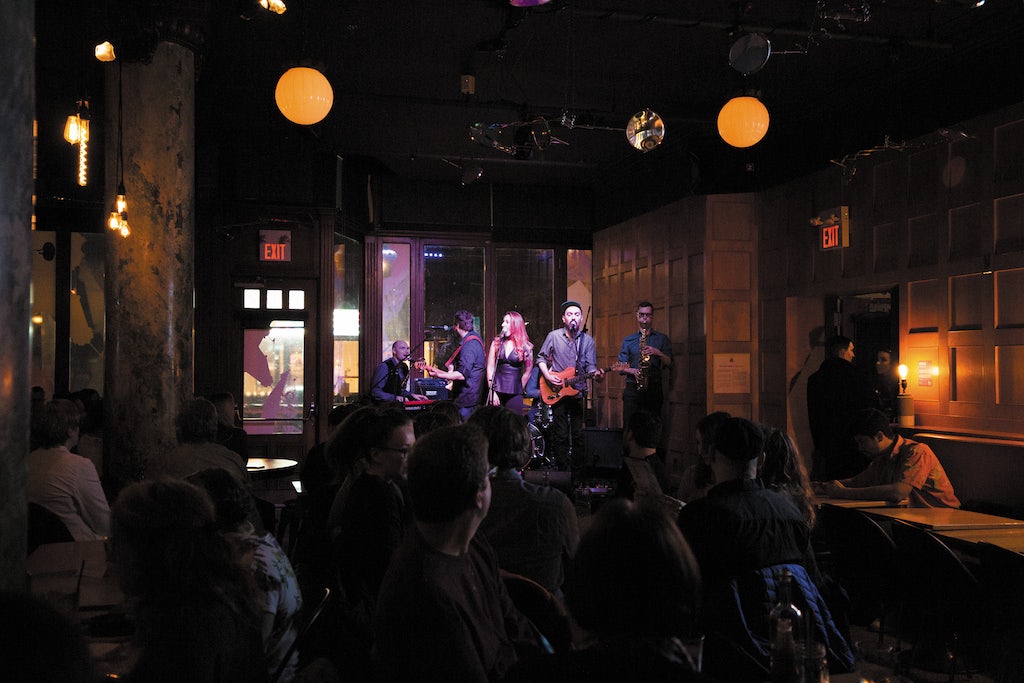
(509, 362)
(783, 470)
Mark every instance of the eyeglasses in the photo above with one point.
(404, 451)
(645, 315)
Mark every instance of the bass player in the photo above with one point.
(568, 349)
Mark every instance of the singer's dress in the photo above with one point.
(508, 379)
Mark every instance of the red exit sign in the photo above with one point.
(833, 228)
(275, 245)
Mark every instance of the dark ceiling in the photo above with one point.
(842, 77)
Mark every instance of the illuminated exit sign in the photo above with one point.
(276, 245)
(833, 228)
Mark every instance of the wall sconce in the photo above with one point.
(304, 95)
(76, 132)
(743, 121)
(904, 402)
(902, 370)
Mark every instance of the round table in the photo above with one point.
(267, 468)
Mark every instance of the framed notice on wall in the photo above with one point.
(731, 373)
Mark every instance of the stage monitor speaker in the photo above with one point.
(603, 448)
(433, 388)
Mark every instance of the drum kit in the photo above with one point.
(539, 419)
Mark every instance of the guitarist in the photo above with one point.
(563, 349)
(465, 367)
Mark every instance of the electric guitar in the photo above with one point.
(425, 367)
(571, 384)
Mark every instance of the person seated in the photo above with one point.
(229, 431)
(532, 528)
(745, 537)
(698, 478)
(277, 590)
(443, 613)
(90, 433)
(60, 481)
(643, 468)
(783, 470)
(315, 471)
(195, 611)
(429, 420)
(197, 447)
(369, 517)
(633, 586)
(900, 468)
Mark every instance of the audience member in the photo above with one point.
(276, 588)
(698, 478)
(834, 395)
(197, 449)
(369, 519)
(900, 468)
(783, 470)
(744, 536)
(196, 617)
(533, 529)
(447, 407)
(90, 432)
(39, 644)
(443, 613)
(643, 470)
(634, 587)
(60, 481)
(229, 425)
(315, 471)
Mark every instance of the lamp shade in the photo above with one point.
(304, 95)
(743, 121)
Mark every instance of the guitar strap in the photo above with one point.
(465, 340)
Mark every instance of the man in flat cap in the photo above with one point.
(566, 360)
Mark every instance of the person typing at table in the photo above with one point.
(900, 468)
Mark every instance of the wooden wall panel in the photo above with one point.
(967, 365)
(1009, 224)
(924, 302)
(927, 235)
(968, 298)
(731, 270)
(925, 177)
(970, 232)
(1009, 370)
(1009, 293)
(731, 321)
(886, 245)
(1009, 152)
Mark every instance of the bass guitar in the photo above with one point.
(571, 384)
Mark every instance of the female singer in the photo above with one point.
(509, 362)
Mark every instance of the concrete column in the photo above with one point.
(17, 109)
(150, 273)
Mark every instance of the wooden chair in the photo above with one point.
(545, 610)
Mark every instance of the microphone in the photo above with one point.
(572, 326)
(446, 328)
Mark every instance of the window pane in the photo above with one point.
(453, 280)
(296, 299)
(348, 290)
(272, 397)
(275, 299)
(395, 260)
(251, 298)
(524, 278)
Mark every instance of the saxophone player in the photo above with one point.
(648, 353)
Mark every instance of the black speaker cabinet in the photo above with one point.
(603, 448)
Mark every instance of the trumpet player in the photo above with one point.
(648, 353)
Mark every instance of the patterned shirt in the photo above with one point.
(915, 464)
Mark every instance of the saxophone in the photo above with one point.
(645, 362)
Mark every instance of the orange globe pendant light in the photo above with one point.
(743, 121)
(304, 95)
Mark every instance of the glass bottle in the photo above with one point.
(784, 622)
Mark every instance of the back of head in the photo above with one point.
(645, 428)
(508, 438)
(224, 402)
(232, 502)
(52, 425)
(633, 573)
(197, 421)
(869, 422)
(739, 440)
(464, 319)
(708, 426)
(836, 345)
(346, 444)
(448, 408)
(447, 468)
(167, 545)
(429, 420)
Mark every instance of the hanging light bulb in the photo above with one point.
(105, 52)
(304, 95)
(743, 121)
(275, 6)
(118, 220)
(76, 132)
